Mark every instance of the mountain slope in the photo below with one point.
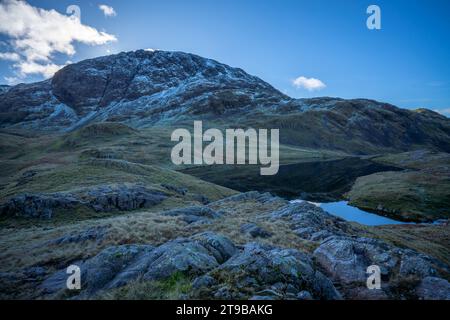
(146, 88)
(139, 88)
(362, 126)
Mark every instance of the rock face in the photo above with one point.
(265, 197)
(269, 271)
(346, 260)
(91, 233)
(344, 256)
(102, 198)
(256, 270)
(37, 205)
(432, 288)
(142, 88)
(119, 265)
(121, 197)
(134, 87)
(311, 222)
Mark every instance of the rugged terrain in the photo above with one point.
(86, 179)
(247, 246)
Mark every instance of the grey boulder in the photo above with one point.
(310, 222)
(119, 265)
(432, 288)
(269, 266)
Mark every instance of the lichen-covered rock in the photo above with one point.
(346, 260)
(219, 246)
(121, 197)
(203, 281)
(37, 205)
(103, 198)
(415, 264)
(311, 222)
(432, 288)
(105, 270)
(90, 234)
(265, 197)
(119, 265)
(268, 266)
(304, 295)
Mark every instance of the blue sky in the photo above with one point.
(406, 63)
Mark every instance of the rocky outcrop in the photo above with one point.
(214, 263)
(37, 205)
(260, 197)
(216, 268)
(90, 234)
(119, 265)
(102, 198)
(346, 260)
(310, 222)
(262, 270)
(345, 256)
(432, 288)
(121, 197)
(194, 214)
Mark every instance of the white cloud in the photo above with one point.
(10, 56)
(35, 35)
(12, 80)
(107, 10)
(31, 67)
(310, 84)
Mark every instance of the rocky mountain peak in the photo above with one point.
(135, 87)
(132, 75)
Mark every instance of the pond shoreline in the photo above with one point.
(353, 214)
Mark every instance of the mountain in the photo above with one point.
(144, 88)
(139, 88)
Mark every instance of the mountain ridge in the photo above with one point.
(146, 88)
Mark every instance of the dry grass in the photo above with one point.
(23, 247)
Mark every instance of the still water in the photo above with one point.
(343, 210)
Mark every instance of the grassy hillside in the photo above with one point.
(420, 193)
